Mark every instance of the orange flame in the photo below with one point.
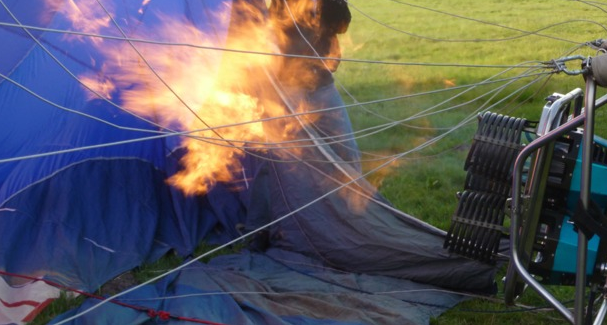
(216, 95)
(85, 16)
(143, 5)
(100, 85)
(297, 27)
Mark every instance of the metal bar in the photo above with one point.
(582, 246)
(600, 316)
(519, 163)
(516, 210)
(535, 187)
(555, 111)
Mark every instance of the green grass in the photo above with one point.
(424, 183)
(126, 280)
(57, 307)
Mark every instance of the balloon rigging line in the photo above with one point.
(594, 4)
(599, 3)
(382, 127)
(484, 82)
(353, 180)
(214, 130)
(500, 101)
(429, 142)
(436, 91)
(119, 143)
(269, 224)
(525, 33)
(374, 129)
(602, 3)
(95, 146)
(498, 90)
(286, 4)
(394, 122)
(470, 118)
(230, 243)
(75, 111)
(386, 126)
(339, 167)
(301, 34)
(445, 128)
(67, 70)
(98, 119)
(234, 241)
(543, 85)
(275, 293)
(383, 157)
(401, 122)
(566, 53)
(164, 83)
(150, 67)
(485, 40)
(322, 269)
(5, 160)
(175, 133)
(510, 108)
(297, 56)
(124, 302)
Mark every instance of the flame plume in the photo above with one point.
(189, 87)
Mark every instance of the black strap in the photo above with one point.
(590, 221)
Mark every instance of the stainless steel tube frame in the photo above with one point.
(519, 163)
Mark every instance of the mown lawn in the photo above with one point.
(434, 46)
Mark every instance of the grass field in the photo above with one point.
(433, 48)
(420, 34)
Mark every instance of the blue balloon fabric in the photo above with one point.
(83, 198)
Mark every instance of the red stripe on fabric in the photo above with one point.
(32, 315)
(20, 303)
(90, 295)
